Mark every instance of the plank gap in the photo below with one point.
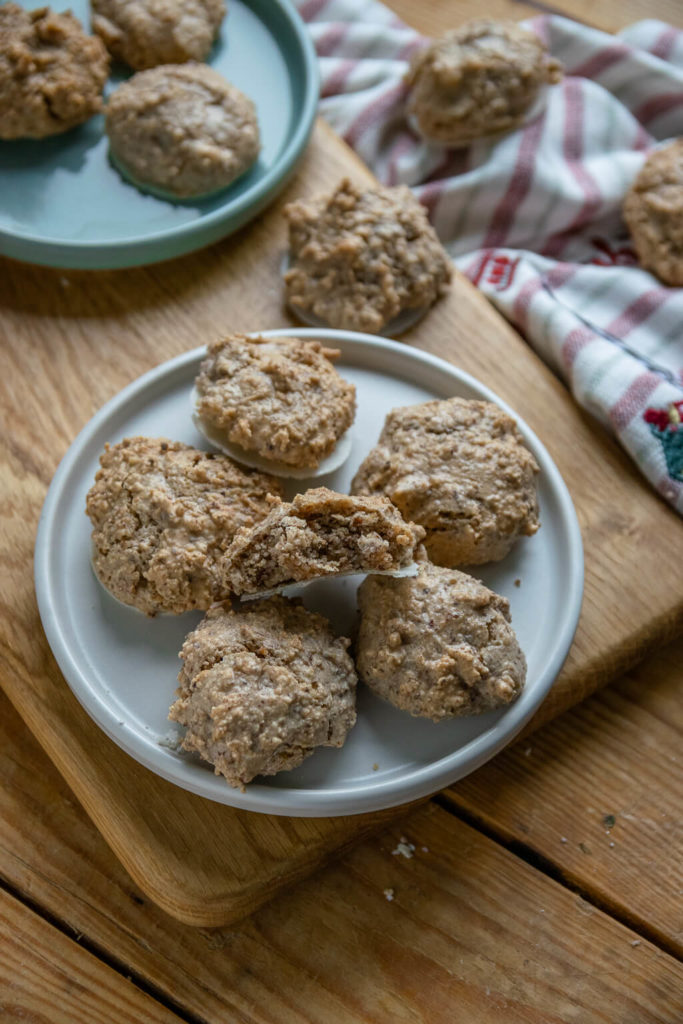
(546, 866)
(130, 974)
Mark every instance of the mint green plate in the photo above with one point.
(62, 204)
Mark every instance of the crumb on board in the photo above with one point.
(635, 942)
(375, 767)
(425, 849)
(518, 582)
(528, 751)
(404, 848)
(563, 839)
(388, 895)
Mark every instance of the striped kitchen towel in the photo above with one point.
(534, 217)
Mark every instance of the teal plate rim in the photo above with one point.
(182, 239)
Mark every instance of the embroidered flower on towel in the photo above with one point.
(665, 424)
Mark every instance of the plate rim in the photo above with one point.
(299, 802)
(143, 250)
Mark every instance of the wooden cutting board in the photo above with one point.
(71, 340)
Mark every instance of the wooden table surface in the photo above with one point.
(547, 887)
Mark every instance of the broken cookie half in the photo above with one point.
(320, 533)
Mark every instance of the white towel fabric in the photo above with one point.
(534, 217)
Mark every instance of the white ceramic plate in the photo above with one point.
(123, 666)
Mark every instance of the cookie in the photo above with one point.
(653, 211)
(51, 73)
(146, 33)
(320, 533)
(477, 80)
(262, 687)
(438, 645)
(360, 257)
(461, 470)
(275, 402)
(163, 515)
(181, 130)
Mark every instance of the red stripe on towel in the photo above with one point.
(601, 61)
(658, 105)
(336, 81)
(519, 185)
(633, 399)
(374, 113)
(555, 278)
(330, 40)
(639, 311)
(664, 43)
(573, 152)
(633, 316)
(311, 9)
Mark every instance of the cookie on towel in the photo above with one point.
(653, 211)
(478, 80)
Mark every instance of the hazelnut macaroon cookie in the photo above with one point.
(320, 533)
(145, 33)
(460, 469)
(466, 661)
(181, 131)
(163, 515)
(276, 404)
(478, 80)
(359, 258)
(653, 211)
(51, 73)
(262, 687)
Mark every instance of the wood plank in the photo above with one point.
(44, 976)
(598, 794)
(612, 15)
(83, 336)
(573, 776)
(469, 926)
(433, 17)
(166, 836)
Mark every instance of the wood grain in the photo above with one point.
(617, 753)
(70, 341)
(472, 934)
(44, 976)
(598, 794)
(433, 17)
